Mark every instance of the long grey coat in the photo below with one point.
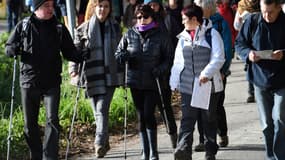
(101, 69)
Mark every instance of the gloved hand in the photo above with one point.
(13, 49)
(156, 72)
(85, 52)
(18, 49)
(123, 57)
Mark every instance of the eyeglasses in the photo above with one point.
(144, 17)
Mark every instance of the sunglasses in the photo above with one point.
(144, 17)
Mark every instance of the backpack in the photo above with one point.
(208, 34)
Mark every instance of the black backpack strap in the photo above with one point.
(254, 23)
(207, 21)
(220, 27)
(25, 26)
(208, 36)
(208, 32)
(59, 31)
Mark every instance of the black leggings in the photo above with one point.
(145, 101)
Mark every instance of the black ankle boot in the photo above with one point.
(152, 138)
(145, 146)
(173, 139)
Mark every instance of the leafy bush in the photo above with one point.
(18, 146)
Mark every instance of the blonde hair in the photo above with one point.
(90, 9)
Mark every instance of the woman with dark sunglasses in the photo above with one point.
(147, 49)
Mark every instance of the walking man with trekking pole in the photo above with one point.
(38, 40)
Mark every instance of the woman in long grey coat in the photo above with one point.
(100, 35)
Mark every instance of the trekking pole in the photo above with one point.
(162, 104)
(74, 110)
(11, 107)
(126, 110)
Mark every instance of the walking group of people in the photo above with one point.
(160, 53)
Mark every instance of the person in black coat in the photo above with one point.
(147, 49)
(169, 25)
(39, 40)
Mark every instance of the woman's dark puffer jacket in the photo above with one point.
(147, 51)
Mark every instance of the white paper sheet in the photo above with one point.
(201, 94)
(264, 54)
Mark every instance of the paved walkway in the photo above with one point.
(245, 137)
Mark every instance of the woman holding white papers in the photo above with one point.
(199, 55)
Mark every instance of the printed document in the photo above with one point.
(264, 54)
(201, 94)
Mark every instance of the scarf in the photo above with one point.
(101, 68)
(248, 5)
(146, 27)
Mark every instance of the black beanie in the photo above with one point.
(38, 3)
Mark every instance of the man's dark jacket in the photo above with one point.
(257, 34)
(43, 42)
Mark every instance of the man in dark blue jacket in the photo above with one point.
(265, 32)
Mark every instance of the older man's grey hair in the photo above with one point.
(207, 4)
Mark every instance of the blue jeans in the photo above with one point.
(12, 16)
(100, 105)
(31, 98)
(271, 106)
